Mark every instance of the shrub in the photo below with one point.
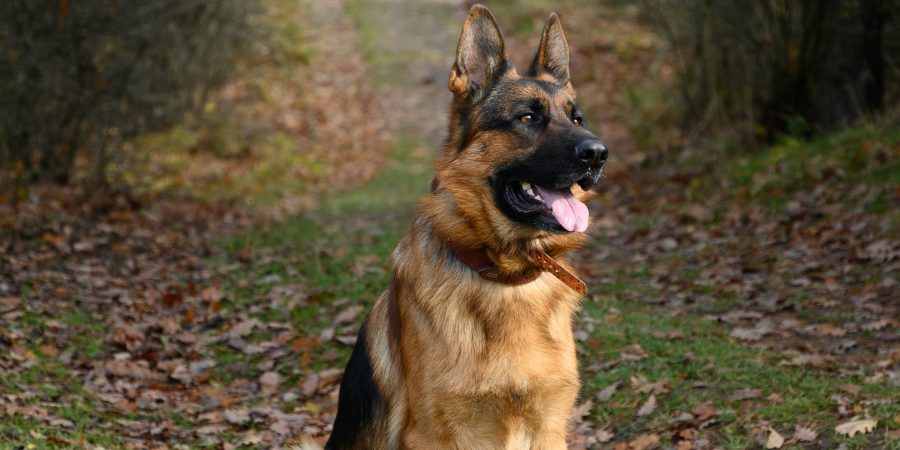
(82, 77)
(777, 66)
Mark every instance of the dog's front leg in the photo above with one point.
(464, 438)
(552, 418)
(550, 441)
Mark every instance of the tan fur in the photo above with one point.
(478, 364)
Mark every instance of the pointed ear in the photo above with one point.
(480, 55)
(552, 56)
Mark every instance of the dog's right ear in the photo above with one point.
(553, 53)
(480, 55)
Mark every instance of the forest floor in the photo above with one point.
(737, 300)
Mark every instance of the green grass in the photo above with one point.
(850, 155)
(706, 355)
(49, 380)
(864, 155)
(338, 252)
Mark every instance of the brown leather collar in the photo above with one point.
(478, 261)
(546, 262)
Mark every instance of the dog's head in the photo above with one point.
(518, 162)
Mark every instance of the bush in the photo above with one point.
(82, 77)
(777, 66)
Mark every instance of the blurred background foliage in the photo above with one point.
(772, 67)
(82, 78)
(82, 81)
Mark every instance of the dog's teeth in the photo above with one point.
(528, 189)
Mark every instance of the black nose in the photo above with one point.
(591, 152)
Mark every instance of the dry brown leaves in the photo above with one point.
(853, 427)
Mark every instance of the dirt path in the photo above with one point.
(410, 45)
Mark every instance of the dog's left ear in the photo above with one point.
(480, 55)
(552, 56)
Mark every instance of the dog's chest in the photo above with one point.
(523, 354)
(520, 342)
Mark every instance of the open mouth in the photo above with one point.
(550, 208)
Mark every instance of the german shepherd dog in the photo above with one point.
(471, 345)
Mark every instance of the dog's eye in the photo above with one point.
(578, 120)
(526, 118)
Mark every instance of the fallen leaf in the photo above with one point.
(604, 436)
(745, 394)
(881, 251)
(583, 410)
(237, 416)
(657, 387)
(774, 440)
(210, 430)
(252, 438)
(310, 384)
(348, 315)
(644, 386)
(827, 329)
(151, 399)
(853, 389)
(607, 392)
(697, 212)
(182, 374)
(269, 382)
(856, 426)
(9, 303)
(633, 353)
(171, 298)
(644, 442)
(281, 427)
(704, 411)
(810, 361)
(330, 377)
(37, 435)
(670, 335)
(211, 294)
(244, 328)
(637, 381)
(648, 407)
(875, 325)
(65, 423)
(687, 434)
(746, 334)
(668, 244)
(199, 368)
(805, 434)
(326, 334)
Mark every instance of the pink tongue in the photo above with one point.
(569, 212)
